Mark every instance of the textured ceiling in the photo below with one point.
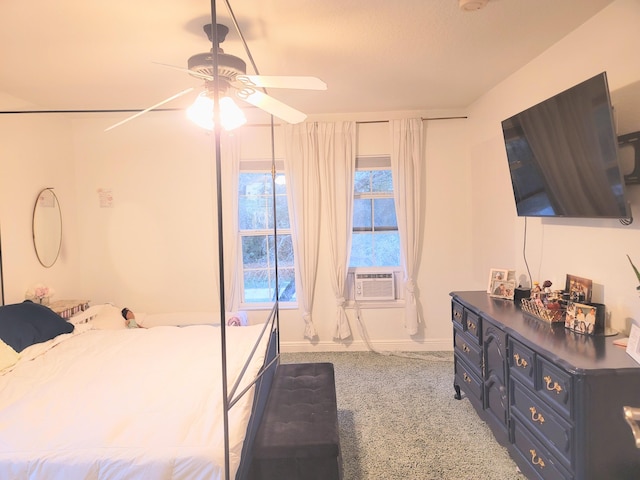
(375, 55)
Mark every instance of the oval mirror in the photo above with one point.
(47, 227)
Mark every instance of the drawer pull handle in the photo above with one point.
(466, 377)
(457, 314)
(471, 326)
(535, 459)
(465, 348)
(520, 362)
(535, 416)
(632, 416)
(555, 385)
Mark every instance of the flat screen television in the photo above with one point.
(563, 155)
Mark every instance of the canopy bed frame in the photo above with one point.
(260, 384)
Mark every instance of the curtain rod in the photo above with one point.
(421, 118)
(424, 119)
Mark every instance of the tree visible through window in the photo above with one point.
(375, 241)
(255, 221)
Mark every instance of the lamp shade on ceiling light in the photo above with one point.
(201, 113)
(470, 5)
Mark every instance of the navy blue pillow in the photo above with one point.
(26, 323)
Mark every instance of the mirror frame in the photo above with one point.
(40, 254)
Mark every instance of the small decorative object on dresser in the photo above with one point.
(39, 293)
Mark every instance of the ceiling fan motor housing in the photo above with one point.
(228, 65)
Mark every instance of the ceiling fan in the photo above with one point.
(233, 81)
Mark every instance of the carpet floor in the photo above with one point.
(398, 419)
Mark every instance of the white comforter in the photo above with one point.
(124, 404)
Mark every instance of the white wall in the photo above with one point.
(154, 249)
(593, 249)
(35, 153)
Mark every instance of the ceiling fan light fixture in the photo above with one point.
(201, 113)
(472, 5)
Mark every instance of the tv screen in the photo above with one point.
(563, 155)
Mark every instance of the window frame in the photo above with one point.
(368, 163)
(260, 167)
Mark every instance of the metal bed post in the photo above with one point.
(217, 157)
(1, 274)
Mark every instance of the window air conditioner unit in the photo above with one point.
(374, 285)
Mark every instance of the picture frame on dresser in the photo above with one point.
(495, 275)
(633, 344)
(584, 318)
(579, 289)
(503, 289)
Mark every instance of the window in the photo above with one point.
(375, 241)
(255, 221)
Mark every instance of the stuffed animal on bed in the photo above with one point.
(129, 318)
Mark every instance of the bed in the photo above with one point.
(97, 401)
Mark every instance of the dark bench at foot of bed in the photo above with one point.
(298, 437)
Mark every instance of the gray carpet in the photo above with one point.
(398, 420)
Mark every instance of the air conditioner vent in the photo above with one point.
(371, 285)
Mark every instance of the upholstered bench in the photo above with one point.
(298, 436)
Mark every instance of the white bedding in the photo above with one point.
(125, 404)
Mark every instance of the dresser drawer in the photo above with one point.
(468, 380)
(539, 460)
(457, 314)
(466, 347)
(473, 325)
(556, 433)
(554, 385)
(522, 362)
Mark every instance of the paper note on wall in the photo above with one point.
(105, 196)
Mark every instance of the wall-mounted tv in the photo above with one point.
(563, 155)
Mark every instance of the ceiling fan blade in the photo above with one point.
(276, 81)
(186, 70)
(271, 105)
(184, 92)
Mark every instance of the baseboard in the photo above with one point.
(433, 345)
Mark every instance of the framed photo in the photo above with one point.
(503, 289)
(497, 275)
(583, 318)
(633, 344)
(579, 289)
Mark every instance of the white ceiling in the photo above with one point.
(375, 55)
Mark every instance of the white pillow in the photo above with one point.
(8, 356)
(107, 317)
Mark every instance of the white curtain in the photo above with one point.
(230, 171)
(303, 194)
(337, 143)
(406, 167)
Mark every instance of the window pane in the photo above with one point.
(256, 286)
(254, 251)
(253, 213)
(287, 284)
(387, 248)
(361, 250)
(381, 181)
(362, 182)
(285, 251)
(282, 211)
(362, 213)
(384, 213)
